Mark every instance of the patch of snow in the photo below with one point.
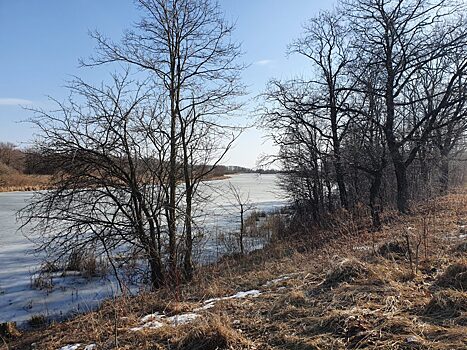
(90, 347)
(151, 317)
(70, 347)
(240, 295)
(155, 321)
(412, 339)
(148, 325)
(182, 318)
(250, 293)
(362, 248)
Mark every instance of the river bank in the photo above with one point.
(30, 183)
(364, 289)
(24, 183)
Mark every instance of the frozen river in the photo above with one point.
(19, 302)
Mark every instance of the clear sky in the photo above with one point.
(41, 42)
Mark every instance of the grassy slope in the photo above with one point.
(339, 296)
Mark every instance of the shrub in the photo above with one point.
(37, 321)
(346, 270)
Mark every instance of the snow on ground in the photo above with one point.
(240, 295)
(148, 325)
(70, 347)
(182, 319)
(205, 307)
(154, 321)
(77, 346)
(277, 280)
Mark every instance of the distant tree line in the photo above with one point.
(381, 118)
(27, 161)
(31, 161)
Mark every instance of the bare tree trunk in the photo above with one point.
(375, 190)
(394, 148)
(340, 181)
(157, 275)
(188, 266)
(242, 249)
(444, 175)
(172, 220)
(337, 155)
(402, 187)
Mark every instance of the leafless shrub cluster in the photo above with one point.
(132, 152)
(382, 117)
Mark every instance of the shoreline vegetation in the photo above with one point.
(26, 170)
(24, 183)
(404, 285)
(31, 183)
(40, 183)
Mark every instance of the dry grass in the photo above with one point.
(447, 304)
(347, 270)
(454, 277)
(21, 182)
(212, 334)
(340, 295)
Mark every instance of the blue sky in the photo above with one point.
(41, 42)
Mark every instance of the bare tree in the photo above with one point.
(186, 48)
(403, 38)
(365, 145)
(243, 203)
(111, 147)
(131, 155)
(325, 44)
(11, 155)
(383, 108)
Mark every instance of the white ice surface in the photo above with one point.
(73, 294)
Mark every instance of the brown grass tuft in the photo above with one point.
(9, 330)
(393, 250)
(461, 248)
(454, 277)
(346, 270)
(447, 303)
(214, 334)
